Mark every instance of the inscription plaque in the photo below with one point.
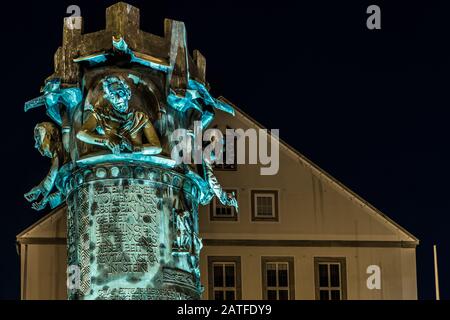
(126, 228)
(118, 236)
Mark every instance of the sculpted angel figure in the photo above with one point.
(48, 142)
(114, 126)
(197, 97)
(59, 101)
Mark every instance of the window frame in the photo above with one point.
(237, 281)
(291, 275)
(342, 273)
(213, 206)
(253, 196)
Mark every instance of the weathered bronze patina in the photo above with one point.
(116, 97)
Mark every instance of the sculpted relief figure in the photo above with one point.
(198, 98)
(114, 126)
(48, 142)
(227, 199)
(183, 241)
(59, 103)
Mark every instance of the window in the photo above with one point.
(278, 278)
(264, 205)
(219, 212)
(230, 149)
(224, 278)
(330, 278)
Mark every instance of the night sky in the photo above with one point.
(369, 107)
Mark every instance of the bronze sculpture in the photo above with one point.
(48, 143)
(116, 97)
(115, 126)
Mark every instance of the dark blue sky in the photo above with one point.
(369, 107)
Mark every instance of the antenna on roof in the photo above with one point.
(436, 274)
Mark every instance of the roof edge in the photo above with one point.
(40, 221)
(325, 174)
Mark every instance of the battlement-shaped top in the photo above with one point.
(123, 21)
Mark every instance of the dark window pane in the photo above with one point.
(324, 295)
(264, 206)
(283, 277)
(271, 275)
(283, 295)
(229, 295)
(271, 295)
(334, 275)
(218, 276)
(218, 295)
(323, 275)
(335, 295)
(222, 211)
(229, 276)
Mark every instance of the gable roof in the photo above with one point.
(322, 174)
(42, 223)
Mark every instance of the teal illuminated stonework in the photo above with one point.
(134, 229)
(115, 99)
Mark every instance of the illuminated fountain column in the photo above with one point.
(123, 221)
(114, 101)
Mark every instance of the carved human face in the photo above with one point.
(117, 92)
(42, 142)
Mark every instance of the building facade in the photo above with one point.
(299, 234)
